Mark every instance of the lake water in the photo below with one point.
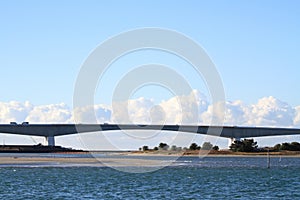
(187, 178)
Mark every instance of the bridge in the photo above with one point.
(49, 131)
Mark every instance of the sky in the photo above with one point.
(253, 44)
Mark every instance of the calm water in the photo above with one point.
(187, 178)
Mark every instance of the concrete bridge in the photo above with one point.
(49, 131)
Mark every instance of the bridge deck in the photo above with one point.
(50, 130)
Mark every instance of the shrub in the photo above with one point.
(207, 146)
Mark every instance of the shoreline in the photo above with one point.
(212, 153)
(115, 160)
(222, 153)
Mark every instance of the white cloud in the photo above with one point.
(297, 116)
(132, 111)
(53, 113)
(193, 108)
(103, 113)
(236, 113)
(91, 114)
(14, 111)
(184, 109)
(270, 111)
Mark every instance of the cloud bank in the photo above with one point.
(193, 108)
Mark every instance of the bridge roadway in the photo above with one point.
(49, 131)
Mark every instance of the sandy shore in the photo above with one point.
(123, 159)
(71, 161)
(215, 153)
(28, 160)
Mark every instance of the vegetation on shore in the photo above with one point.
(193, 147)
(249, 145)
(246, 146)
(294, 146)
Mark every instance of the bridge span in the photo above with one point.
(49, 131)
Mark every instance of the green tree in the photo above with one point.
(277, 147)
(173, 148)
(207, 146)
(145, 148)
(194, 146)
(216, 148)
(294, 146)
(285, 146)
(246, 145)
(163, 146)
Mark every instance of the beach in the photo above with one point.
(120, 159)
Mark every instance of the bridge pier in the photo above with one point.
(50, 140)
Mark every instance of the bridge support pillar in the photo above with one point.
(50, 140)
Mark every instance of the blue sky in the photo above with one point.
(254, 45)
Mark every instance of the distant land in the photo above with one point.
(36, 149)
(215, 153)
